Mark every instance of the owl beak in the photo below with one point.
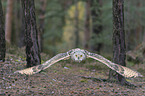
(80, 61)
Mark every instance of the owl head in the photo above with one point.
(78, 55)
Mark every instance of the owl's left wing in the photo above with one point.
(38, 68)
(124, 71)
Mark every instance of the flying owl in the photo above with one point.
(79, 55)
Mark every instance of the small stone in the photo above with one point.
(66, 68)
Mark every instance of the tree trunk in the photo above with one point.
(66, 3)
(32, 48)
(8, 25)
(18, 30)
(76, 24)
(2, 35)
(119, 49)
(87, 26)
(143, 48)
(96, 24)
(139, 30)
(41, 23)
(22, 33)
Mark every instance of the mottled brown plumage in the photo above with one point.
(78, 55)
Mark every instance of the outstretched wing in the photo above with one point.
(38, 68)
(124, 71)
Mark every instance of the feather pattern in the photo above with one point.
(124, 71)
(38, 68)
(78, 55)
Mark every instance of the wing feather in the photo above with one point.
(38, 68)
(124, 71)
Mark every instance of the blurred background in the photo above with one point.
(66, 24)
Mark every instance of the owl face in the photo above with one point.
(78, 55)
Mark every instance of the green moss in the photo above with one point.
(83, 80)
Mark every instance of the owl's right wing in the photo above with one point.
(38, 68)
(124, 71)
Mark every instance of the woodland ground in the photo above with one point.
(63, 79)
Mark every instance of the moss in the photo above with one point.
(84, 80)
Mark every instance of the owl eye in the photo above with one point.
(81, 56)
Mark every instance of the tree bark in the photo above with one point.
(2, 35)
(32, 48)
(8, 25)
(17, 26)
(139, 30)
(87, 26)
(76, 24)
(119, 48)
(41, 23)
(22, 31)
(96, 24)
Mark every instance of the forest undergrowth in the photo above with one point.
(64, 78)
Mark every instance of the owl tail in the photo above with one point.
(130, 73)
(30, 71)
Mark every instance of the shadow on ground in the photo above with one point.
(63, 78)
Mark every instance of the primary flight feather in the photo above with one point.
(78, 55)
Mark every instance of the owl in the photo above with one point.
(79, 55)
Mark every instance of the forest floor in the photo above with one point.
(64, 78)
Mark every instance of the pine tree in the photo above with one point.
(96, 24)
(119, 47)
(8, 24)
(2, 35)
(31, 37)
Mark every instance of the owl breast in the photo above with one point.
(78, 56)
